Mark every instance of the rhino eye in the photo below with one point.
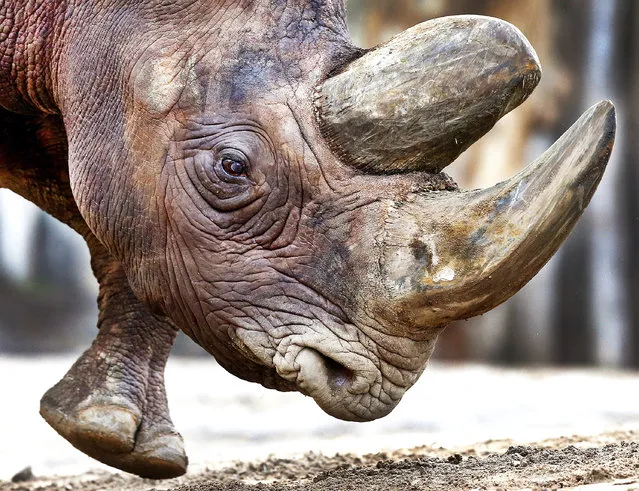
(234, 165)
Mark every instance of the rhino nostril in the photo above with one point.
(338, 375)
(341, 388)
(320, 373)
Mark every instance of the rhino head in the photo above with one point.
(277, 192)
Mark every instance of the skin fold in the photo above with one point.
(195, 146)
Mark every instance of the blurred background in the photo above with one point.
(582, 309)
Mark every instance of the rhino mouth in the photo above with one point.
(344, 381)
(344, 378)
(344, 389)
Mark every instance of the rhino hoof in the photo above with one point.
(159, 456)
(118, 436)
(107, 427)
(110, 428)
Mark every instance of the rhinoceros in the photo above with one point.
(243, 172)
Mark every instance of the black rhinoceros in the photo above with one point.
(242, 172)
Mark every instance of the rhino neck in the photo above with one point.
(31, 33)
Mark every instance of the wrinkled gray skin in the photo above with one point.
(185, 140)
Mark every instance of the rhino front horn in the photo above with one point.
(449, 256)
(420, 100)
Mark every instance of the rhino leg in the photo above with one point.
(112, 403)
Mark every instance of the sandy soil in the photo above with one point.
(608, 461)
(241, 437)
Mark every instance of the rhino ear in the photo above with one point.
(420, 100)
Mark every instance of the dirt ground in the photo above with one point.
(609, 461)
(242, 437)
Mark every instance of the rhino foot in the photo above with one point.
(127, 427)
(115, 436)
(112, 403)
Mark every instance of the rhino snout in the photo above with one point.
(347, 387)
